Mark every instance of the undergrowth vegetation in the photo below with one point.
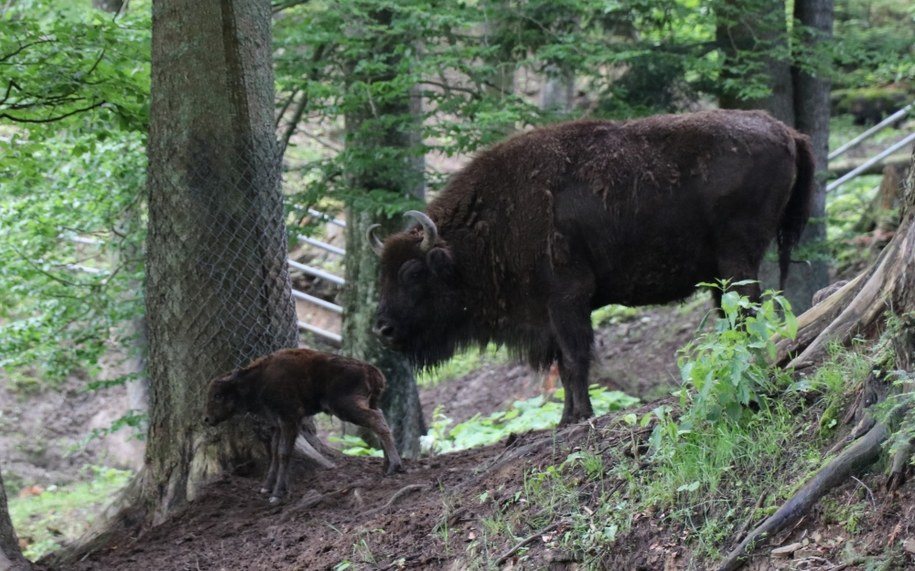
(45, 519)
(536, 413)
(703, 464)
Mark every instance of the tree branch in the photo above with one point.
(52, 119)
(23, 47)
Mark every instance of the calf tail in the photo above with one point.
(794, 219)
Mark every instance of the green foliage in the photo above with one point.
(473, 64)
(353, 445)
(357, 69)
(72, 123)
(536, 413)
(705, 481)
(830, 384)
(873, 43)
(725, 371)
(61, 514)
(461, 364)
(61, 62)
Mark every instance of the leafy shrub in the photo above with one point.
(725, 371)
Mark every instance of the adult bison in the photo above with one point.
(539, 230)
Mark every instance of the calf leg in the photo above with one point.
(287, 432)
(358, 411)
(270, 482)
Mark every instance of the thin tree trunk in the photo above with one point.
(11, 558)
(747, 29)
(383, 158)
(811, 110)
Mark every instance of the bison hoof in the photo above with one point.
(265, 490)
(275, 499)
(573, 419)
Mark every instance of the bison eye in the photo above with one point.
(217, 397)
(411, 273)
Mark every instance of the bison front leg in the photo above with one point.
(570, 319)
(286, 442)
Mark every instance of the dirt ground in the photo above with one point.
(431, 517)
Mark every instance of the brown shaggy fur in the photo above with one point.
(539, 230)
(290, 384)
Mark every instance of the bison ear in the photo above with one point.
(441, 263)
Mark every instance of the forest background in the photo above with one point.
(375, 105)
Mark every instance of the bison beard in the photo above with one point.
(539, 230)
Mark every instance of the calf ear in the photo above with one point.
(441, 263)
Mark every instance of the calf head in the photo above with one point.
(420, 308)
(222, 399)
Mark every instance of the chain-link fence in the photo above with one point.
(218, 283)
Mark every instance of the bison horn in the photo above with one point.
(430, 231)
(376, 244)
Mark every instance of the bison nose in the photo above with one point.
(206, 419)
(384, 330)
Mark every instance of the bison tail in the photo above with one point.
(799, 205)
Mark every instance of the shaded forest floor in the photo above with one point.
(506, 506)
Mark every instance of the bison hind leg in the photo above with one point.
(570, 320)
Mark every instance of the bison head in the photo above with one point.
(420, 309)
(222, 399)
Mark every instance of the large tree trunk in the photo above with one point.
(11, 558)
(218, 290)
(382, 158)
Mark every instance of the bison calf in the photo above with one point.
(288, 385)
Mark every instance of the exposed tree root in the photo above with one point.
(532, 537)
(397, 495)
(857, 306)
(857, 456)
(900, 467)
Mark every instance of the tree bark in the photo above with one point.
(11, 558)
(811, 111)
(218, 289)
(382, 158)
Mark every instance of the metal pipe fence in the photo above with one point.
(898, 115)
